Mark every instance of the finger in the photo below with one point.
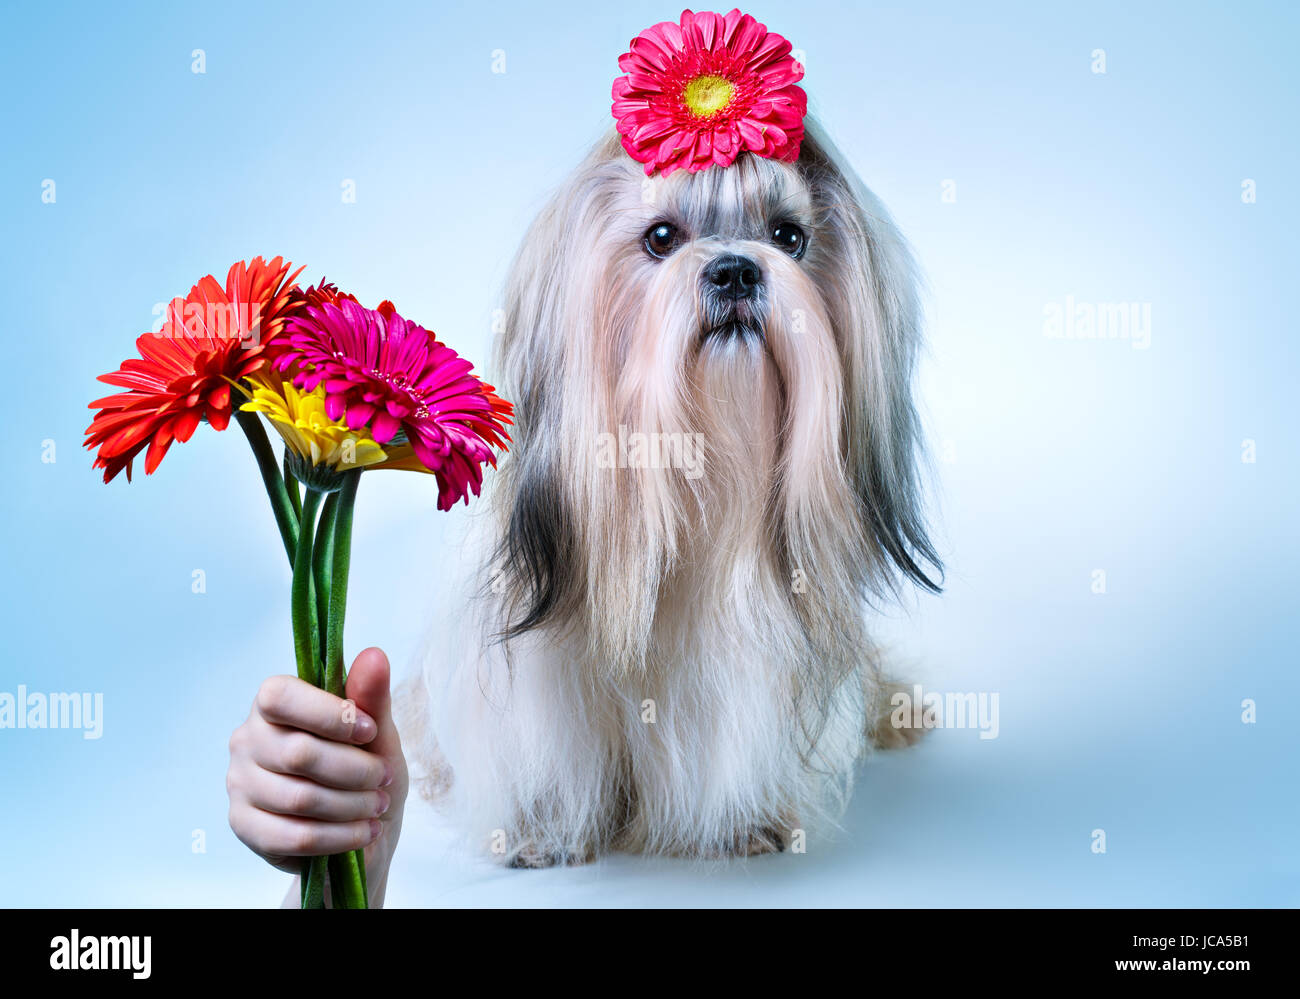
(333, 764)
(286, 700)
(286, 795)
(288, 836)
(368, 685)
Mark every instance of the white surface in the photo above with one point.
(951, 822)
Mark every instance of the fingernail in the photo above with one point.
(388, 774)
(365, 729)
(376, 827)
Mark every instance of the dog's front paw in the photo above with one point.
(751, 843)
(889, 736)
(885, 732)
(535, 858)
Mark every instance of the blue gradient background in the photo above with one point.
(1054, 458)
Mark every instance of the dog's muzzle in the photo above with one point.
(732, 294)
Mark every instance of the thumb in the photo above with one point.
(368, 687)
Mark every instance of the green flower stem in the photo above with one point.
(313, 882)
(291, 485)
(302, 601)
(306, 648)
(347, 880)
(322, 563)
(281, 504)
(347, 870)
(335, 677)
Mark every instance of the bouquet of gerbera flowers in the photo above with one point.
(348, 389)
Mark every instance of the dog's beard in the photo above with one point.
(670, 552)
(725, 320)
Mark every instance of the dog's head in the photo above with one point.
(766, 313)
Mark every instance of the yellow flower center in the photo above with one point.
(707, 94)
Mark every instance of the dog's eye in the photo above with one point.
(661, 239)
(790, 238)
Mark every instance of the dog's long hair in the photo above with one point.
(656, 581)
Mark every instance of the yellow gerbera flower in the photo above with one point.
(308, 432)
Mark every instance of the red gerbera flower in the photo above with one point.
(396, 379)
(702, 92)
(183, 374)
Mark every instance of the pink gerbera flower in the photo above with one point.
(395, 378)
(702, 92)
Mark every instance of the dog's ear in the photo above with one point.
(538, 556)
(869, 281)
(537, 549)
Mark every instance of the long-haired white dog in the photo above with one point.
(714, 469)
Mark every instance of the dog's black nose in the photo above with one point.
(734, 276)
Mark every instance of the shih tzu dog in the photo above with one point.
(709, 337)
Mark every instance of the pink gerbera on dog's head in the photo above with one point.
(703, 91)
